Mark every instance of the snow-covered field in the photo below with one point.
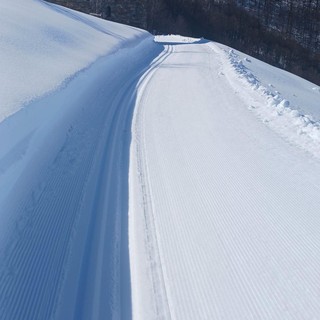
(166, 179)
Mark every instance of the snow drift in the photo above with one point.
(286, 103)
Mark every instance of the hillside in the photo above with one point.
(283, 33)
(296, 20)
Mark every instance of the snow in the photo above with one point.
(223, 211)
(173, 38)
(44, 45)
(141, 179)
(70, 100)
(285, 102)
(302, 94)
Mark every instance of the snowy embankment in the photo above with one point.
(43, 47)
(286, 103)
(223, 213)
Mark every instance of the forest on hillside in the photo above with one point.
(285, 33)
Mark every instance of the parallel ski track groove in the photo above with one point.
(285, 229)
(35, 268)
(122, 99)
(31, 292)
(162, 303)
(246, 236)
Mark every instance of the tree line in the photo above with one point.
(284, 33)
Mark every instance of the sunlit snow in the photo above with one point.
(151, 178)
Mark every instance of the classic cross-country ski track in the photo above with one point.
(154, 184)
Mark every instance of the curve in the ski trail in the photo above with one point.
(67, 253)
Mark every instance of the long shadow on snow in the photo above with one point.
(67, 250)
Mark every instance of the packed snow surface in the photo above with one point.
(224, 211)
(166, 179)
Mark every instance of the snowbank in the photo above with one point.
(288, 104)
(43, 45)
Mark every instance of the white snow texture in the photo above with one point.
(151, 178)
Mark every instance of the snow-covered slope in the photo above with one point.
(63, 190)
(288, 104)
(301, 94)
(43, 45)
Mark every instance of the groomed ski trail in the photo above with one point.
(65, 252)
(223, 212)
